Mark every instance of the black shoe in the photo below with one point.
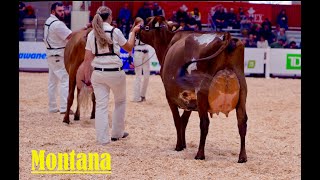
(125, 134)
(143, 98)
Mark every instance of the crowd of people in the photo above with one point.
(256, 35)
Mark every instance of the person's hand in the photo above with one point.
(136, 28)
(131, 66)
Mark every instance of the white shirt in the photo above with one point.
(262, 44)
(106, 61)
(142, 45)
(56, 36)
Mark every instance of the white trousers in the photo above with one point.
(57, 74)
(102, 82)
(141, 64)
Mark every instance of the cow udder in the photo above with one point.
(223, 92)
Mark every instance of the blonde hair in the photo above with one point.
(102, 14)
(136, 21)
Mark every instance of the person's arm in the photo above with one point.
(88, 57)
(130, 43)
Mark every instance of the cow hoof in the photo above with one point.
(92, 117)
(242, 160)
(76, 118)
(179, 148)
(66, 121)
(199, 157)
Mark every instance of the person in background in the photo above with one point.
(262, 43)
(22, 14)
(56, 36)
(141, 66)
(282, 19)
(196, 15)
(157, 10)
(102, 55)
(144, 12)
(278, 44)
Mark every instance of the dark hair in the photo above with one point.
(54, 5)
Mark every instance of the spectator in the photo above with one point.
(266, 33)
(251, 42)
(231, 20)
(282, 35)
(262, 43)
(245, 25)
(30, 12)
(241, 14)
(292, 45)
(157, 10)
(67, 16)
(196, 15)
(213, 10)
(282, 19)
(144, 12)
(268, 23)
(182, 14)
(183, 25)
(124, 20)
(254, 30)
(125, 14)
(219, 19)
(22, 8)
(278, 44)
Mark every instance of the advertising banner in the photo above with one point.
(285, 62)
(254, 60)
(32, 56)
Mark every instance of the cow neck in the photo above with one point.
(161, 45)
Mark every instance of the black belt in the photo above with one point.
(108, 69)
(144, 50)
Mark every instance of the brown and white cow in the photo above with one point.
(201, 71)
(73, 58)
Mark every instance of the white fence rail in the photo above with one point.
(275, 62)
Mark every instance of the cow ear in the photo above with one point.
(149, 19)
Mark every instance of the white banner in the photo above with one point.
(154, 63)
(254, 60)
(285, 62)
(32, 56)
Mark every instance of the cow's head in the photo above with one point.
(156, 30)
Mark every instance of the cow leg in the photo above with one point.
(178, 124)
(93, 112)
(242, 118)
(77, 114)
(204, 123)
(72, 85)
(184, 118)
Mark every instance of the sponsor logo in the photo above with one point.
(70, 163)
(154, 64)
(32, 56)
(251, 64)
(293, 62)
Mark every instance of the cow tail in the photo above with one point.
(183, 69)
(85, 98)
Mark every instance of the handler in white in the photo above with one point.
(102, 53)
(141, 67)
(56, 34)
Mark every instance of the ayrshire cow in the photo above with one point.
(73, 58)
(201, 71)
